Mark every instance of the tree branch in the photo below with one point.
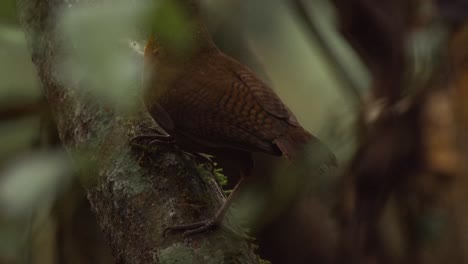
(133, 203)
(316, 34)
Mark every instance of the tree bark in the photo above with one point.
(133, 202)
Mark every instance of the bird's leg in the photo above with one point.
(202, 226)
(156, 137)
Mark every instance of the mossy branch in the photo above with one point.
(133, 202)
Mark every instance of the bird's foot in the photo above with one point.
(154, 139)
(146, 142)
(153, 136)
(165, 140)
(194, 228)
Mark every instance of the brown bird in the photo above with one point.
(208, 102)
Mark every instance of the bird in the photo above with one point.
(208, 102)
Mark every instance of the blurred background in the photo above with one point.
(384, 84)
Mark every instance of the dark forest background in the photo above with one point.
(383, 83)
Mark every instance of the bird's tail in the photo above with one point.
(293, 143)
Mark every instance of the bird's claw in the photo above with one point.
(156, 139)
(193, 229)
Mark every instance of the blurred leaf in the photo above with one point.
(17, 135)
(101, 60)
(172, 25)
(250, 208)
(7, 12)
(33, 181)
(17, 74)
(13, 237)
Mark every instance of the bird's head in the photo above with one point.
(158, 53)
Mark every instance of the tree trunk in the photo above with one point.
(133, 202)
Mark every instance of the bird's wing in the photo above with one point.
(231, 108)
(265, 96)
